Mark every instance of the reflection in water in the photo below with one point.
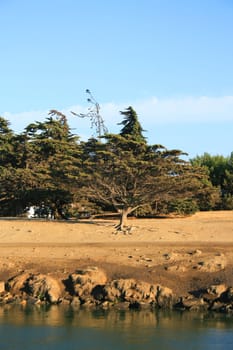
(64, 328)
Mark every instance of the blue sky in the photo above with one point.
(172, 60)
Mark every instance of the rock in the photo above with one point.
(213, 293)
(90, 288)
(170, 256)
(217, 306)
(196, 252)
(98, 292)
(29, 300)
(23, 302)
(113, 294)
(209, 297)
(39, 286)
(139, 305)
(54, 289)
(227, 296)
(45, 288)
(217, 289)
(148, 259)
(18, 283)
(75, 302)
(229, 292)
(106, 304)
(139, 294)
(92, 275)
(179, 268)
(2, 286)
(116, 290)
(84, 282)
(194, 304)
(66, 301)
(8, 298)
(217, 263)
(131, 291)
(122, 306)
(164, 297)
(88, 302)
(222, 307)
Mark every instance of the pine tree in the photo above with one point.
(53, 162)
(132, 128)
(6, 143)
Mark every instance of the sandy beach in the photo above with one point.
(181, 253)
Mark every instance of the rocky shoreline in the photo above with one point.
(91, 288)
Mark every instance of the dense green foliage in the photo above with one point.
(132, 128)
(220, 171)
(46, 164)
(42, 166)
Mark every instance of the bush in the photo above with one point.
(183, 206)
(227, 202)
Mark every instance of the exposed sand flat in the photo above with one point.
(201, 227)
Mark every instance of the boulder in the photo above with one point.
(164, 297)
(138, 293)
(84, 282)
(113, 294)
(227, 295)
(39, 286)
(217, 306)
(18, 283)
(49, 288)
(130, 290)
(194, 304)
(92, 275)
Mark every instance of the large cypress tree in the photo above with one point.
(126, 173)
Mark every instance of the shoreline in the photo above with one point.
(90, 288)
(182, 254)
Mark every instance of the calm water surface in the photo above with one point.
(63, 328)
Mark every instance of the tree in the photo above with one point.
(8, 174)
(14, 187)
(46, 167)
(6, 143)
(227, 187)
(126, 173)
(216, 166)
(55, 160)
(220, 170)
(132, 128)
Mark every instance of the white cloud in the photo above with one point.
(187, 109)
(20, 120)
(151, 111)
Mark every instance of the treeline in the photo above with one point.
(220, 171)
(48, 164)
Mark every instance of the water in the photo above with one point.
(63, 328)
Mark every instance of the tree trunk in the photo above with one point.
(122, 226)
